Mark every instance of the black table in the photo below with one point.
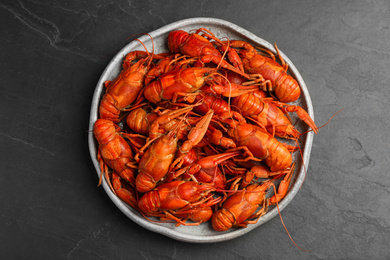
(53, 53)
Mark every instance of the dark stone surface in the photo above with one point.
(53, 53)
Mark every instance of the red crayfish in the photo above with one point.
(285, 87)
(200, 133)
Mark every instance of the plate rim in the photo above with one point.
(159, 228)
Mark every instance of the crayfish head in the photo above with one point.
(175, 39)
(192, 191)
(205, 74)
(243, 130)
(196, 77)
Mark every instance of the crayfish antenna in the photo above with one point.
(281, 219)
(224, 54)
(300, 151)
(325, 123)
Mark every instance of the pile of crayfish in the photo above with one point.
(201, 132)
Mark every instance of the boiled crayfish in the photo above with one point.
(194, 134)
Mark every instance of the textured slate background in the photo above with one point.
(53, 53)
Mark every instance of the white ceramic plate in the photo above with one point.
(203, 233)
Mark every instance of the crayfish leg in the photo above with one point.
(301, 113)
(169, 216)
(284, 64)
(104, 171)
(124, 192)
(283, 187)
